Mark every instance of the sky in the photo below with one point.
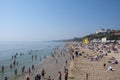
(43, 20)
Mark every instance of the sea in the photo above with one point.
(10, 48)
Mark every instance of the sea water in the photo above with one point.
(9, 49)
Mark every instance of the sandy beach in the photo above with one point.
(81, 68)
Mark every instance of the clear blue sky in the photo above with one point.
(41, 20)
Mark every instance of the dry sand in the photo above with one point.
(80, 66)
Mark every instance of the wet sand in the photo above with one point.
(50, 66)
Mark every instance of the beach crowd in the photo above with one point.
(71, 51)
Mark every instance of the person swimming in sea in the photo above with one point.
(16, 71)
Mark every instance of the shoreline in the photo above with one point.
(81, 67)
(22, 59)
(51, 67)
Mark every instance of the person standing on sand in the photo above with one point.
(86, 76)
(43, 73)
(73, 57)
(56, 61)
(104, 65)
(39, 76)
(27, 78)
(66, 74)
(60, 76)
(66, 62)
